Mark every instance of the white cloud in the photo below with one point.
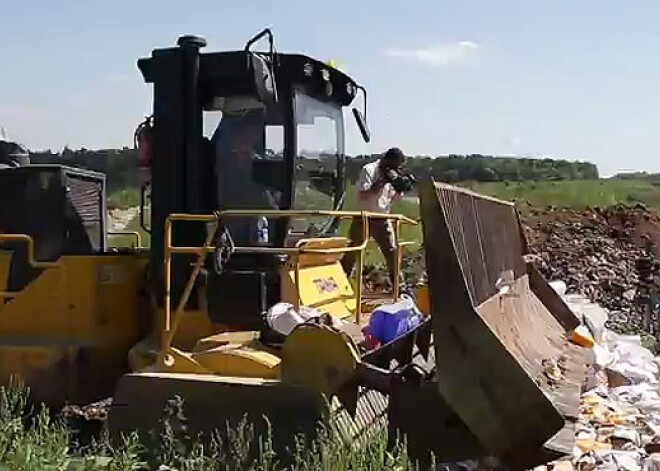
(441, 55)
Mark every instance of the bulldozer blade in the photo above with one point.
(431, 428)
(496, 332)
(211, 405)
(551, 299)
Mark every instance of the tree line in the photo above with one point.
(486, 168)
(120, 166)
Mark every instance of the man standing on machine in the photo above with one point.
(379, 184)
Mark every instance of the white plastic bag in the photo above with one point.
(559, 287)
(283, 317)
(631, 359)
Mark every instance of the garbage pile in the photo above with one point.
(603, 254)
(619, 423)
(94, 411)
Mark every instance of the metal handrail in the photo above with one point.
(171, 322)
(138, 237)
(282, 213)
(31, 260)
(30, 244)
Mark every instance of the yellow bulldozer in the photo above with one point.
(243, 166)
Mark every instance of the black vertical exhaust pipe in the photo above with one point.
(192, 121)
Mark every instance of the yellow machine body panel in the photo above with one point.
(319, 358)
(322, 282)
(195, 324)
(76, 319)
(226, 338)
(5, 261)
(236, 360)
(212, 402)
(239, 361)
(195, 332)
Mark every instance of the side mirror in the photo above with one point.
(263, 68)
(264, 79)
(362, 124)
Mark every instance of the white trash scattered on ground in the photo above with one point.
(119, 219)
(619, 423)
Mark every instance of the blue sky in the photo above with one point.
(567, 79)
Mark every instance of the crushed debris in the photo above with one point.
(552, 370)
(605, 255)
(97, 411)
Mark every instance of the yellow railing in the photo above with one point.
(171, 322)
(138, 237)
(29, 241)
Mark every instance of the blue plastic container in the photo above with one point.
(390, 321)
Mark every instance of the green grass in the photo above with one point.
(126, 198)
(575, 193)
(31, 440)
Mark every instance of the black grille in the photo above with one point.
(62, 208)
(85, 213)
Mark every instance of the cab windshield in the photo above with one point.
(320, 150)
(247, 144)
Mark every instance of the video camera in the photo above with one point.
(400, 181)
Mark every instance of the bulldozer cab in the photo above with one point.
(244, 130)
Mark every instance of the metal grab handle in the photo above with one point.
(30, 243)
(171, 322)
(31, 260)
